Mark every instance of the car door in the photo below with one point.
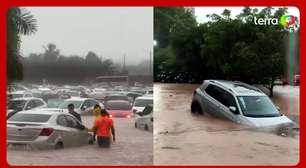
(79, 136)
(210, 100)
(85, 109)
(226, 100)
(64, 131)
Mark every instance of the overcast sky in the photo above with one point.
(201, 12)
(109, 32)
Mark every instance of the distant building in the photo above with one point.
(191, 10)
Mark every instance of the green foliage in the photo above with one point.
(226, 47)
(58, 68)
(19, 22)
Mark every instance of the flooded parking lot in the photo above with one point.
(132, 147)
(183, 138)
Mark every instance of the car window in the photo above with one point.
(72, 122)
(31, 104)
(16, 104)
(38, 103)
(213, 91)
(23, 117)
(86, 103)
(61, 120)
(227, 99)
(143, 102)
(28, 95)
(221, 95)
(92, 103)
(147, 110)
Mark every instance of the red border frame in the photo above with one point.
(7, 4)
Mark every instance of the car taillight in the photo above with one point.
(110, 116)
(46, 132)
(128, 116)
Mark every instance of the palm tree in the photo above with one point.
(19, 22)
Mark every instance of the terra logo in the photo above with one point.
(289, 22)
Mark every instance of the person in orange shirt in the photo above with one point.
(104, 129)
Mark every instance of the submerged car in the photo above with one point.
(45, 129)
(141, 102)
(238, 102)
(119, 108)
(144, 119)
(82, 106)
(22, 104)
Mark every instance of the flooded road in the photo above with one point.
(181, 138)
(132, 147)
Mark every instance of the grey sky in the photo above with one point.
(201, 12)
(108, 31)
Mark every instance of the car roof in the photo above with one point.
(43, 111)
(238, 88)
(118, 101)
(20, 92)
(147, 97)
(78, 99)
(27, 98)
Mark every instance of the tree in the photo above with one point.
(51, 53)
(19, 22)
(229, 48)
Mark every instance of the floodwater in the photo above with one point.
(181, 138)
(132, 147)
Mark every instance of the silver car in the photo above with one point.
(238, 102)
(83, 106)
(22, 104)
(46, 129)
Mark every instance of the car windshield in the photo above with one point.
(117, 98)
(54, 103)
(76, 103)
(118, 106)
(16, 104)
(257, 106)
(23, 117)
(143, 102)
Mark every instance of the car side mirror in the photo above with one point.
(139, 113)
(84, 107)
(81, 127)
(28, 107)
(233, 109)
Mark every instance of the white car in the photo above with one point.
(144, 119)
(81, 105)
(141, 102)
(19, 94)
(45, 129)
(22, 104)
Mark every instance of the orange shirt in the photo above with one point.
(103, 125)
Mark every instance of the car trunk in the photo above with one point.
(23, 131)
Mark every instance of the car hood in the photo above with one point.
(267, 121)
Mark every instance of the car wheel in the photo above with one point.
(196, 108)
(146, 127)
(136, 126)
(59, 145)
